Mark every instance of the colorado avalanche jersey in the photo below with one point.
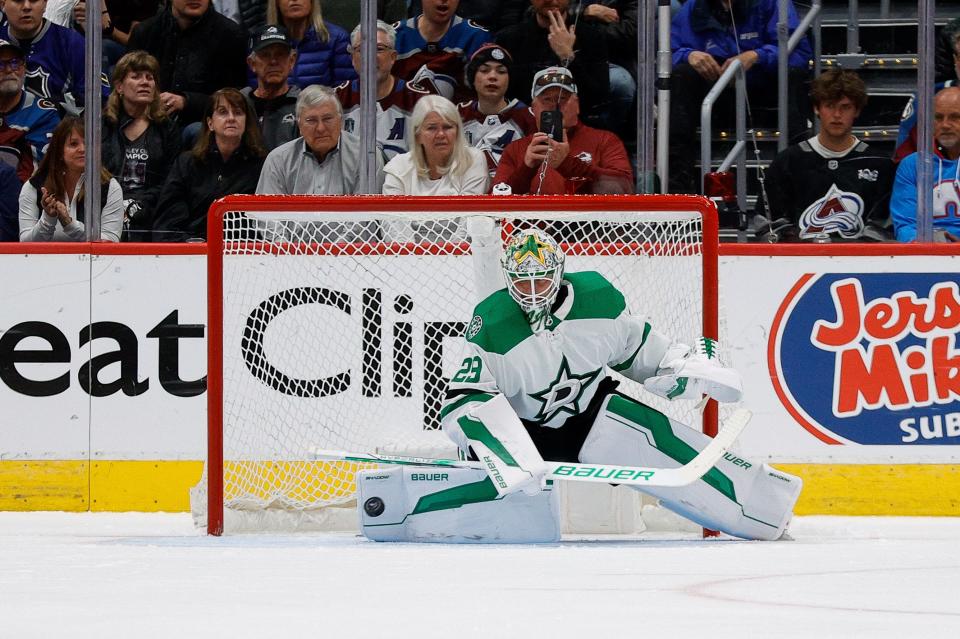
(492, 133)
(393, 114)
(55, 60)
(552, 375)
(946, 197)
(446, 58)
(25, 133)
(831, 194)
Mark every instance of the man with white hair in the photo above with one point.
(324, 160)
(395, 97)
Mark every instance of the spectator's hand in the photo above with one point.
(747, 59)
(558, 150)
(537, 150)
(52, 206)
(601, 13)
(704, 64)
(561, 38)
(172, 102)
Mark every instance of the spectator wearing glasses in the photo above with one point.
(324, 160)
(55, 54)
(274, 99)
(492, 122)
(139, 142)
(586, 160)
(395, 97)
(26, 121)
(52, 201)
(225, 159)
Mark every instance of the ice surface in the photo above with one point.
(135, 575)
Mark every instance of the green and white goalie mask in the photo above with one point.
(533, 268)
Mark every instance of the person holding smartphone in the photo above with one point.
(564, 156)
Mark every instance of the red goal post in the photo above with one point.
(292, 294)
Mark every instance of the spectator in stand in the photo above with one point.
(117, 19)
(618, 21)
(907, 134)
(275, 102)
(111, 50)
(51, 202)
(55, 54)
(491, 122)
(946, 181)
(346, 13)
(440, 162)
(833, 186)
(395, 98)
(249, 14)
(588, 160)
(550, 36)
(10, 187)
(707, 35)
(199, 52)
(139, 142)
(325, 160)
(26, 121)
(321, 46)
(434, 47)
(226, 159)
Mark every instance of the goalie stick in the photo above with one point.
(602, 473)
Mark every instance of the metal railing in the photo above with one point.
(738, 153)
(785, 46)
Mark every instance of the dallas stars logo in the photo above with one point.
(534, 248)
(564, 393)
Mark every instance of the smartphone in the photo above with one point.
(551, 123)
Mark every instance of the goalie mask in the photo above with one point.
(533, 268)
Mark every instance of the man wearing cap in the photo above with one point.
(550, 35)
(54, 54)
(26, 121)
(395, 97)
(441, 41)
(588, 160)
(274, 100)
(491, 122)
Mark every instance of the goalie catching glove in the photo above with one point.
(689, 373)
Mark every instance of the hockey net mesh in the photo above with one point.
(341, 329)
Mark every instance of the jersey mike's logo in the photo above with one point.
(838, 212)
(871, 358)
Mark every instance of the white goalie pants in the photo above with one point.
(738, 497)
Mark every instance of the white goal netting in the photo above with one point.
(340, 328)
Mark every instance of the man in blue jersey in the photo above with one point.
(55, 54)
(946, 185)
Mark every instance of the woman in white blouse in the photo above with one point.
(51, 202)
(440, 161)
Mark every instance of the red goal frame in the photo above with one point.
(374, 203)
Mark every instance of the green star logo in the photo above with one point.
(532, 247)
(564, 393)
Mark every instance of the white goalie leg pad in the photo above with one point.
(504, 447)
(486, 247)
(739, 497)
(451, 505)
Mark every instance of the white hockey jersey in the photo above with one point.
(552, 375)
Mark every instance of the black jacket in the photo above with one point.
(208, 55)
(621, 35)
(531, 52)
(193, 185)
(163, 142)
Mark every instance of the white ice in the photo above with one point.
(103, 575)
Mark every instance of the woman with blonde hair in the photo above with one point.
(321, 46)
(52, 201)
(139, 142)
(226, 158)
(440, 162)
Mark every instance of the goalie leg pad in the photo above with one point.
(451, 505)
(739, 497)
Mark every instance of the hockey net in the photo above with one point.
(335, 323)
